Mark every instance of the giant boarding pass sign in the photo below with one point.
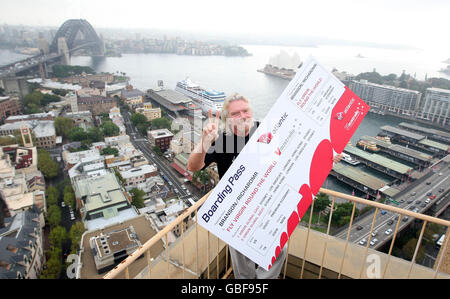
(266, 191)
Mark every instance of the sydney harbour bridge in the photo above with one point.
(73, 35)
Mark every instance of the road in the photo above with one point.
(141, 143)
(441, 179)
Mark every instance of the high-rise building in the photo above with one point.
(386, 97)
(435, 105)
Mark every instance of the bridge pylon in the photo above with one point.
(63, 50)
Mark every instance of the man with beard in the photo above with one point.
(223, 147)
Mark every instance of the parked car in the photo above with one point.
(428, 183)
(63, 204)
(373, 242)
(429, 193)
(409, 201)
(388, 232)
(432, 197)
(441, 189)
(418, 202)
(427, 200)
(383, 212)
(363, 242)
(423, 205)
(401, 201)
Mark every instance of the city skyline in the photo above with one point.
(399, 24)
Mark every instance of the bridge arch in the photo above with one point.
(69, 31)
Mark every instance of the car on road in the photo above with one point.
(428, 183)
(427, 200)
(413, 194)
(363, 242)
(409, 201)
(359, 227)
(423, 205)
(405, 218)
(441, 189)
(374, 233)
(401, 201)
(390, 221)
(418, 202)
(416, 210)
(63, 204)
(383, 212)
(374, 241)
(412, 208)
(388, 231)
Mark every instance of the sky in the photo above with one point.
(415, 23)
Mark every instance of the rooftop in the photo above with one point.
(425, 130)
(138, 171)
(160, 133)
(398, 131)
(378, 159)
(359, 176)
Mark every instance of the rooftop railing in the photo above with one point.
(198, 265)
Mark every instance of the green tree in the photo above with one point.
(94, 134)
(160, 123)
(75, 234)
(57, 236)
(137, 198)
(321, 202)
(52, 195)
(342, 214)
(54, 264)
(63, 126)
(77, 134)
(46, 164)
(110, 151)
(54, 216)
(69, 196)
(157, 150)
(110, 129)
(138, 118)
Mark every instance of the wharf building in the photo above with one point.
(416, 141)
(175, 102)
(433, 134)
(419, 158)
(388, 166)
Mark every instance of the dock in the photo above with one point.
(433, 134)
(416, 141)
(401, 152)
(380, 163)
(362, 181)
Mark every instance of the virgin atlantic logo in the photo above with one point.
(265, 138)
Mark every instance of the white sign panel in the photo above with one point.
(263, 195)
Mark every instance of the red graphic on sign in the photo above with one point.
(346, 116)
(321, 165)
(292, 223)
(306, 200)
(265, 138)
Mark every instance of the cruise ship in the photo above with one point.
(206, 99)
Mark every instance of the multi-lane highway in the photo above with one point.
(415, 200)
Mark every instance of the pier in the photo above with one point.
(421, 159)
(380, 163)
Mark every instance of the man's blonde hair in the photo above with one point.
(224, 115)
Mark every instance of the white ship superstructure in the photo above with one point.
(206, 99)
